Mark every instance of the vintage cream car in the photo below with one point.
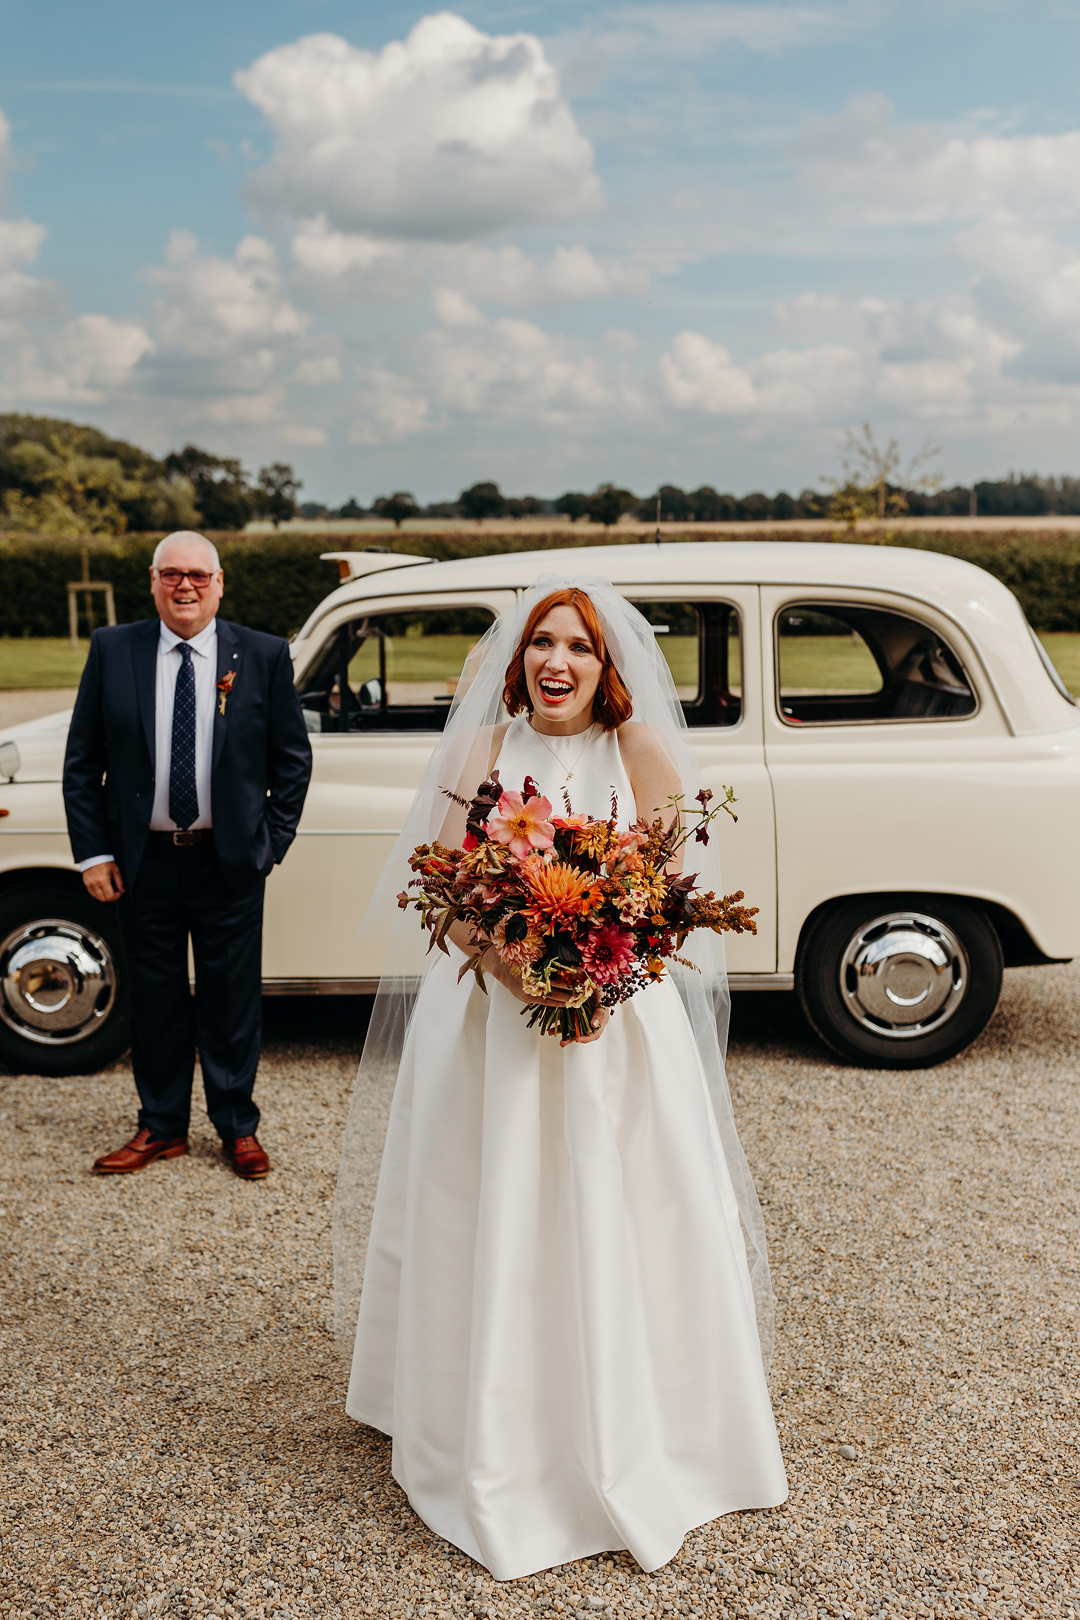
(906, 761)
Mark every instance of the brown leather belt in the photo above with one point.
(194, 835)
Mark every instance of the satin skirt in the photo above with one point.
(556, 1325)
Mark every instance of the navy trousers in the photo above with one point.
(180, 893)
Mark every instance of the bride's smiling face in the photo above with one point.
(562, 671)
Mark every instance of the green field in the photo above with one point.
(834, 662)
(43, 664)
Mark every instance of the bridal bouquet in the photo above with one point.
(568, 903)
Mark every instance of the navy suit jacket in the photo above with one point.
(261, 754)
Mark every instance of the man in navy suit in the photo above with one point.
(186, 770)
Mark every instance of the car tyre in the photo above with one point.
(899, 981)
(63, 1008)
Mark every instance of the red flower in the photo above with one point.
(608, 954)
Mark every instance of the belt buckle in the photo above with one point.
(184, 836)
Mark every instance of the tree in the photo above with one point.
(397, 507)
(675, 506)
(876, 479)
(220, 485)
(607, 504)
(572, 505)
(350, 509)
(482, 501)
(62, 477)
(278, 488)
(811, 504)
(755, 508)
(519, 506)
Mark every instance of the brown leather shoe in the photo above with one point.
(247, 1158)
(143, 1149)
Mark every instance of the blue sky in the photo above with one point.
(549, 244)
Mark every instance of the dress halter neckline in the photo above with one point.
(539, 735)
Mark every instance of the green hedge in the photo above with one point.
(272, 582)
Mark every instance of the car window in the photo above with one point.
(702, 644)
(391, 671)
(840, 663)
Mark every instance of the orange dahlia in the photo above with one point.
(559, 892)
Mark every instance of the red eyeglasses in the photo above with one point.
(172, 577)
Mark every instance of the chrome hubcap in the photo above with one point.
(57, 981)
(903, 974)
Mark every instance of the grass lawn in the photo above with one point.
(1064, 649)
(45, 662)
(834, 662)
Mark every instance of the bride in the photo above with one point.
(565, 1298)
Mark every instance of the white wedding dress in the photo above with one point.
(556, 1325)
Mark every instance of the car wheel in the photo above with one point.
(899, 981)
(62, 1005)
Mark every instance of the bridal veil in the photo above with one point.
(460, 761)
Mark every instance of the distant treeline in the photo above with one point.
(1019, 495)
(65, 478)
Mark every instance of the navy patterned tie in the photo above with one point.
(183, 794)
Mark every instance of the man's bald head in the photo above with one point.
(186, 606)
(187, 537)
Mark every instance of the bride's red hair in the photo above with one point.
(611, 705)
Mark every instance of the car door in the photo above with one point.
(885, 745)
(376, 696)
(711, 637)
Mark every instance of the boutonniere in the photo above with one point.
(225, 686)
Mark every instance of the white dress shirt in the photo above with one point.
(204, 647)
(204, 662)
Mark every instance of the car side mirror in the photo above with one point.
(370, 695)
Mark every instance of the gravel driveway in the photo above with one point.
(174, 1436)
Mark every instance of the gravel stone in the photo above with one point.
(172, 1436)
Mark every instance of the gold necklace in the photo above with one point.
(555, 756)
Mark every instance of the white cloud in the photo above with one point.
(1042, 272)
(942, 362)
(391, 407)
(454, 309)
(319, 371)
(43, 360)
(338, 265)
(508, 275)
(23, 295)
(507, 370)
(304, 434)
(226, 329)
(447, 134)
(84, 362)
(892, 174)
(700, 375)
(208, 303)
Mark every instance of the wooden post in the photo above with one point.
(87, 587)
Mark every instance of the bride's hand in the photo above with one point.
(600, 1020)
(498, 969)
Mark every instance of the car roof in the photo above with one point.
(985, 609)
